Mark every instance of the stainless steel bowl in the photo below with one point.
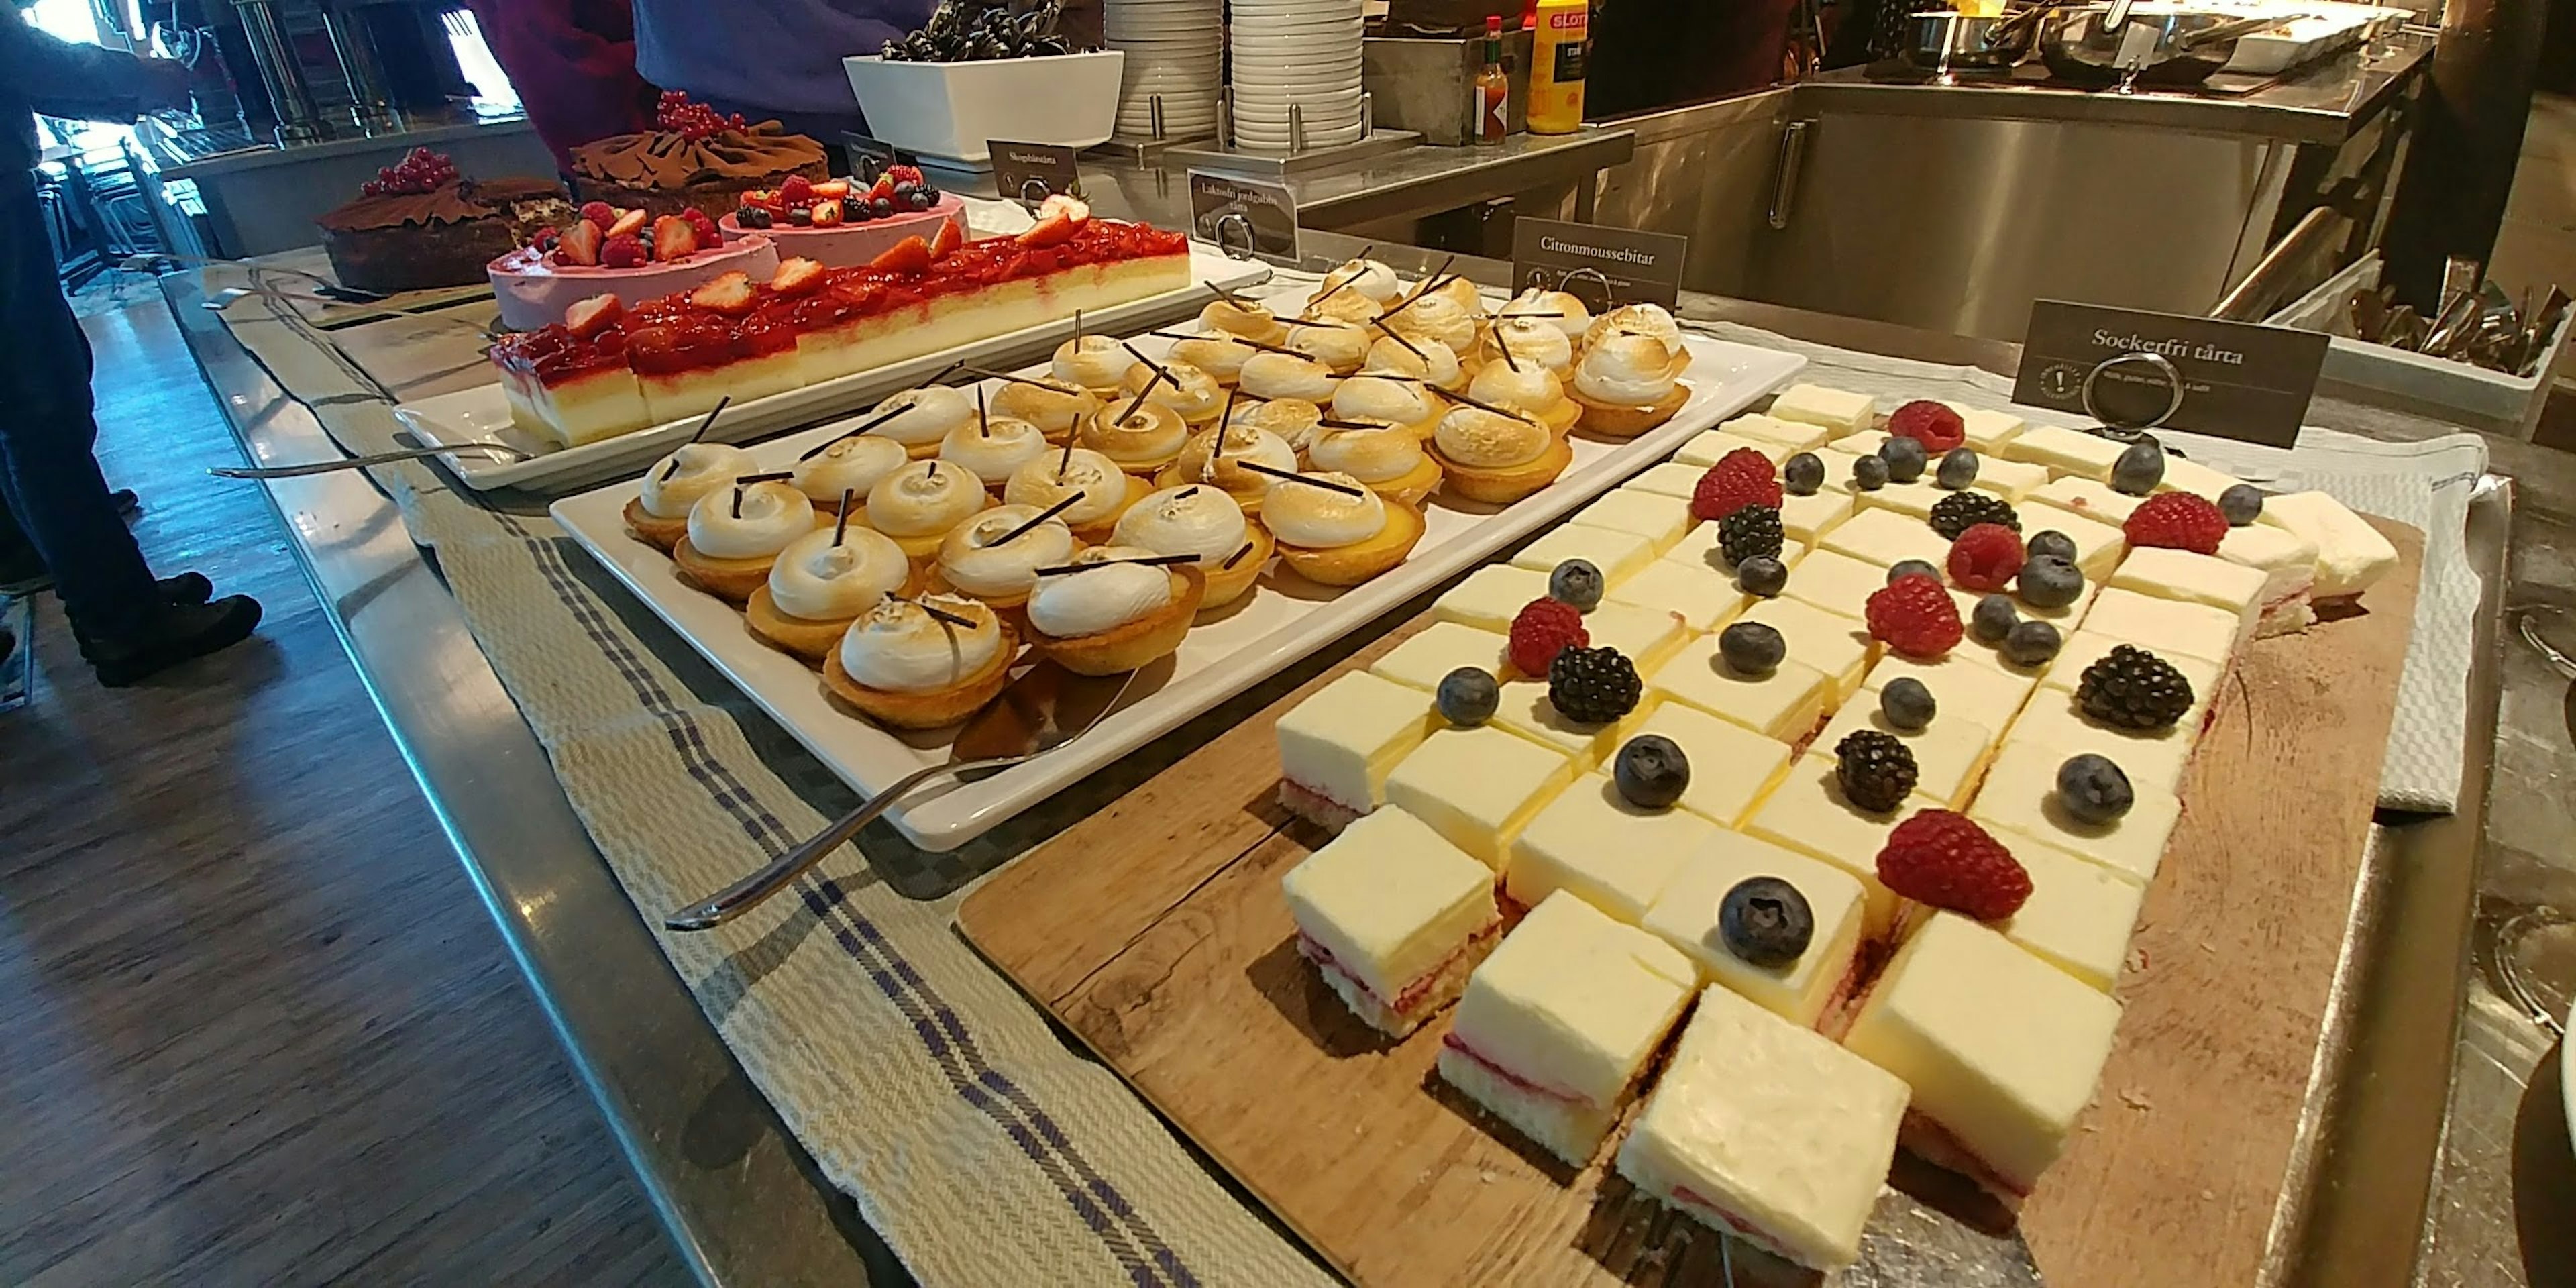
(2156, 49)
(1943, 41)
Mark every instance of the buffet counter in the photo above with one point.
(743, 1203)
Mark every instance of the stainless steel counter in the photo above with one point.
(742, 1203)
(2324, 103)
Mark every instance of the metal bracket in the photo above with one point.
(1784, 175)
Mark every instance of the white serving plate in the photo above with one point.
(1283, 619)
(482, 414)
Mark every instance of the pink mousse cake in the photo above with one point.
(535, 288)
(850, 245)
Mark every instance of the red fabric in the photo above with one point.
(573, 63)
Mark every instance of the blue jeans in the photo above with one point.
(48, 476)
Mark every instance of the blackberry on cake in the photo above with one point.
(1593, 685)
(1876, 770)
(1960, 511)
(1751, 531)
(2134, 689)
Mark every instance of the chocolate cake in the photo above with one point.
(419, 225)
(696, 159)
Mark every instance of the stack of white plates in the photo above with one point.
(1305, 52)
(1174, 48)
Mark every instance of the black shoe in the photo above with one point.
(128, 505)
(181, 632)
(185, 590)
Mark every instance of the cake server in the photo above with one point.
(1039, 712)
(497, 451)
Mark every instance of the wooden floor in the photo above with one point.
(254, 1026)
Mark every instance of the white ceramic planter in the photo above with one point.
(951, 111)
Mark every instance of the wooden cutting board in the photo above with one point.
(1155, 931)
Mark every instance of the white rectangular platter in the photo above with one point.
(1282, 620)
(482, 414)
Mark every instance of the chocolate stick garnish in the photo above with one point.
(1041, 517)
(1364, 250)
(841, 525)
(936, 615)
(1249, 344)
(1224, 422)
(1237, 557)
(1432, 283)
(1017, 380)
(983, 418)
(875, 421)
(1330, 423)
(778, 477)
(1409, 347)
(1229, 296)
(1505, 317)
(737, 499)
(1508, 360)
(671, 467)
(1077, 330)
(946, 371)
(1148, 561)
(710, 421)
(1158, 377)
(933, 472)
(1065, 462)
(1291, 476)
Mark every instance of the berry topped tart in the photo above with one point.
(694, 159)
(839, 224)
(419, 224)
(628, 251)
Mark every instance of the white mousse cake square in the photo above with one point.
(2149, 757)
(1643, 635)
(1763, 1129)
(1592, 841)
(1784, 703)
(2020, 795)
(1616, 555)
(1701, 548)
(2192, 579)
(1491, 597)
(1525, 709)
(2079, 914)
(1732, 767)
(1965, 681)
(1797, 436)
(2165, 626)
(1810, 814)
(1711, 446)
(1556, 1026)
(2081, 496)
(1661, 520)
(1886, 538)
(1837, 645)
(1808, 518)
(1913, 500)
(1699, 596)
(1430, 654)
(2011, 480)
(2066, 451)
(2288, 563)
(1949, 753)
(1337, 747)
(1394, 917)
(1986, 429)
(1830, 579)
(2183, 474)
(1669, 478)
(2001, 1051)
(2086, 647)
(1478, 786)
(1837, 411)
(1687, 915)
(2351, 554)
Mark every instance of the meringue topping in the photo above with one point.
(1636, 319)
(1463, 293)
(1629, 370)
(1196, 519)
(1530, 389)
(1216, 353)
(1294, 420)
(930, 414)
(1101, 598)
(1287, 375)
(771, 515)
(991, 449)
(1436, 317)
(922, 498)
(1193, 393)
(1201, 461)
(1367, 277)
(1092, 361)
(1148, 436)
(849, 465)
(1054, 407)
(1476, 437)
(1057, 475)
(1574, 316)
(1322, 517)
(1533, 342)
(976, 560)
(679, 479)
(1369, 455)
(1434, 361)
(1340, 348)
(1374, 397)
(900, 648)
(820, 581)
(1247, 318)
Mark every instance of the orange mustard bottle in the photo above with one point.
(1557, 55)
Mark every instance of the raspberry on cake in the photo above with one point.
(2020, 795)
(1688, 914)
(1937, 425)
(1593, 842)
(1764, 1130)
(1741, 765)
(1838, 412)
(1433, 652)
(1986, 557)
(1543, 628)
(2001, 1051)
(1701, 597)
(2178, 520)
(1478, 787)
(1337, 747)
(1941, 859)
(1393, 917)
(2351, 554)
(1914, 616)
(1556, 1026)
(1491, 597)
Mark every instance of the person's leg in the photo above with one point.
(48, 477)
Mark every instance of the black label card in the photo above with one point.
(1244, 216)
(1604, 267)
(2239, 380)
(868, 157)
(1033, 172)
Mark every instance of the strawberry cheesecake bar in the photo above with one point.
(1762, 1129)
(1393, 917)
(2000, 1051)
(744, 335)
(1555, 1028)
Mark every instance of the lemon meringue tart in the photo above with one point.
(1629, 383)
(1530, 389)
(1106, 490)
(922, 664)
(845, 466)
(1098, 363)
(821, 583)
(1194, 394)
(921, 418)
(1497, 459)
(1249, 319)
(1107, 613)
(917, 504)
(659, 515)
(995, 556)
(1222, 461)
(1341, 347)
(1388, 398)
(1335, 531)
(1271, 374)
(736, 534)
(1216, 353)
(1053, 404)
(1141, 436)
(1200, 520)
(992, 447)
(1388, 458)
